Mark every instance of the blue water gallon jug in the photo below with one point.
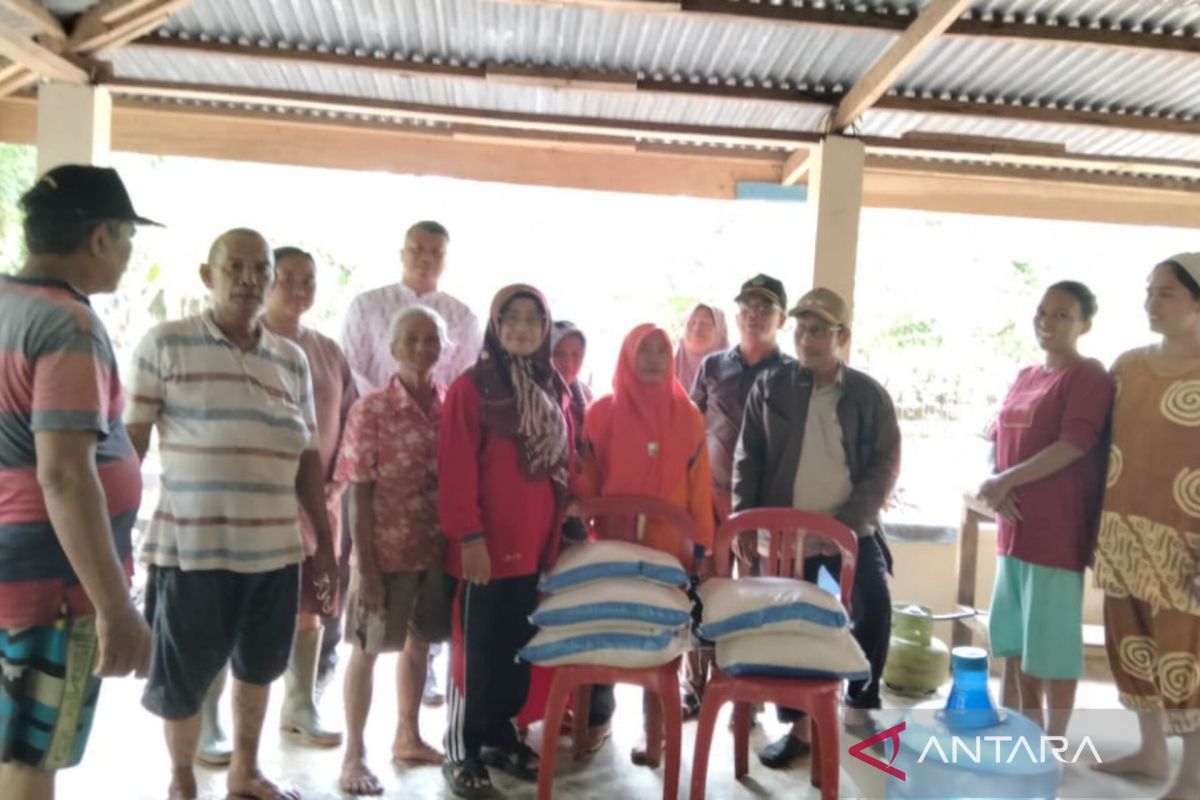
(969, 749)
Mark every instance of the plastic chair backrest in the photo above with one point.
(620, 513)
(789, 529)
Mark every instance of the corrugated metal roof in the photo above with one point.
(1148, 15)
(1078, 139)
(1081, 77)
(470, 31)
(160, 65)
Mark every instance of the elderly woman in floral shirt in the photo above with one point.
(397, 596)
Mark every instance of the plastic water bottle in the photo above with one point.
(970, 704)
(949, 752)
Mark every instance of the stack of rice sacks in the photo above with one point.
(779, 628)
(611, 603)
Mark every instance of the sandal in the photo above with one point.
(521, 761)
(469, 780)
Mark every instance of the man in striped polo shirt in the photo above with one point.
(233, 406)
(69, 480)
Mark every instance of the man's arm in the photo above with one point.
(750, 455)
(310, 491)
(873, 488)
(75, 501)
(139, 434)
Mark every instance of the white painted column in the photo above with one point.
(74, 125)
(835, 189)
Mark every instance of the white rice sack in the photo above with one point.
(623, 604)
(791, 655)
(557, 646)
(612, 559)
(776, 605)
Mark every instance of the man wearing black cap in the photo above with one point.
(720, 391)
(70, 482)
(820, 436)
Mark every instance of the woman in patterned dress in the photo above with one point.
(1148, 558)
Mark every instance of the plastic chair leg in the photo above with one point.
(826, 762)
(556, 708)
(672, 717)
(579, 723)
(741, 740)
(706, 725)
(652, 711)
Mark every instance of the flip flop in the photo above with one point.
(460, 778)
(521, 761)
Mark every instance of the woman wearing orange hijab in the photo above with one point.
(646, 438)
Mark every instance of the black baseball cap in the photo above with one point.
(768, 287)
(84, 192)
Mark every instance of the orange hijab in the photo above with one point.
(652, 433)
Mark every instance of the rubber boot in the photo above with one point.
(215, 749)
(300, 713)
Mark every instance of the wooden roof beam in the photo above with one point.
(39, 60)
(796, 167)
(112, 23)
(37, 16)
(933, 20)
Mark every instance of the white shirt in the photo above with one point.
(367, 343)
(823, 476)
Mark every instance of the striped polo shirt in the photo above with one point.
(232, 425)
(57, 373)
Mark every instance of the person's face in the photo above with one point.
(700, 333)
(424, 258)
(1169, 305)
(1059, 322)
(522, 326)
(568, 357)
(295, 286)
(112, 246)
(758, 320)
(654, 359)
(239, 283)
(819, 344)
(418, 346)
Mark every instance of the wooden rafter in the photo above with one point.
(35, 15)
(796, 167)
(20, 49)
(112, 23)
(15, 81)
(502, 120)
(887, 69)
(571, 79)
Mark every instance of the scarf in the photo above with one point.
(686, 364)
(522, 396)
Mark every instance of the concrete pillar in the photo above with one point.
(835, 189)
(74, 125)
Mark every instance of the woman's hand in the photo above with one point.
(476, 563)
(1001, 498)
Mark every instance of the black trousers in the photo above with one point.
(488, 684)
(870, 615)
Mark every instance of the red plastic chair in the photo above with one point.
(818, 697)
(620, 515)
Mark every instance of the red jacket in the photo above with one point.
(481, 490)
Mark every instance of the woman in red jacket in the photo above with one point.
(504, 462)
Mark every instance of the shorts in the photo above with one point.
(324, 601)
(203, 618)
(412, 601)
(1037, 615)
(48, 693)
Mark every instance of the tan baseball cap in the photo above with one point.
(826, 304)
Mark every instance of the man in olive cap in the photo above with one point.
(70, 482)
(820, 436)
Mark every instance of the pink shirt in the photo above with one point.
(1059, 513)
(391, 442)
(333, 394)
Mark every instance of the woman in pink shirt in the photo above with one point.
(1046, 491)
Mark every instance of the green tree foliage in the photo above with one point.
(17, 166)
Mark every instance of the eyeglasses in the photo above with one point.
(757, 309)
(817, 332)
(516, 320)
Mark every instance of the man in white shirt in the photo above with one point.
(365, 335)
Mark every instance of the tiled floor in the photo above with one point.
(127, 758)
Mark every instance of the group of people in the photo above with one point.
(445, 459)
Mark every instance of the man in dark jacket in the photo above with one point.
(820, 436)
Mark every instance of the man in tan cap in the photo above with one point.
(820, 436)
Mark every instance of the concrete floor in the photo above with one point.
(126, 757)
